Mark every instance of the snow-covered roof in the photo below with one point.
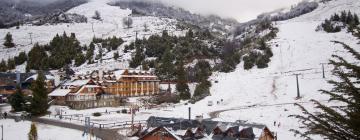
(172, 133)
(34, 77)
(91, 86)
(77, 83)
(146, 76)
(59, 92)
(118, 73)
(180, 132)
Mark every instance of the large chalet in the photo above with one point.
(101, 89)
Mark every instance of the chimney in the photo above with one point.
(18, 78)
(57, 79)
(199, 118)
(189, 113)
(101, 74)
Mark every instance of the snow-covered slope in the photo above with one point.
(267, 95)
(110, 25)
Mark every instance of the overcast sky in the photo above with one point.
(242, 10)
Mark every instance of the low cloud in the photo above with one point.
(241, 10)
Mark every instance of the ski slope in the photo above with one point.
(267, 95)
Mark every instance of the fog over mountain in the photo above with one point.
(242, 10)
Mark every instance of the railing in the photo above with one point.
(80, 118)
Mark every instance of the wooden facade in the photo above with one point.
(160, 133)
(133, 83)
(267, 135)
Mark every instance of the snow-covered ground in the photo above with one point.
(257, 95)
(267, 95)
(19, 131)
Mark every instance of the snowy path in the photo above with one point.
(216, 114)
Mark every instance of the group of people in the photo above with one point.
(3, 115)
(278, 124)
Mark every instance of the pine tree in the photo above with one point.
(39, 102)
(349, 19)
(138, 58)
(17, 100)
(341, 121)
(90, 53)
(36, 57)
(190, 34)
(181, 82)
(11, 64)
(116, 55)
(33, 135)
(343, 16)
(202, 89)
(3, 66)
(356, 20)
(80, 59)
(165, 69)
(202, 70)
(9, 41)
(21, 58)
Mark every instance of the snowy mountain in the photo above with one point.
(15, 12)
(255, 96)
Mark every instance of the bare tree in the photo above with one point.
(97, 15)
(127, 21)
(146, 27)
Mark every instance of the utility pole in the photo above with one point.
(2, 132)
(92, 27)
(132, 117)
(30, 37)
(136, 34)
(189, 113)
(323, 69)
(297, 85)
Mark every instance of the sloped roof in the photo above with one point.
(118, 74)
(34, 77)
(169, 131)
(77, 82)
(59, 92)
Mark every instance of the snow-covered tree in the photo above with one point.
(97, 15)
(8, 41)
(341, 121)
(127, 22)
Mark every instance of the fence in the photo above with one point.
(80, 118)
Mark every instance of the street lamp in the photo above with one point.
(2, 132)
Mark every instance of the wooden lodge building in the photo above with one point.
(131, 83)
(103, 89)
